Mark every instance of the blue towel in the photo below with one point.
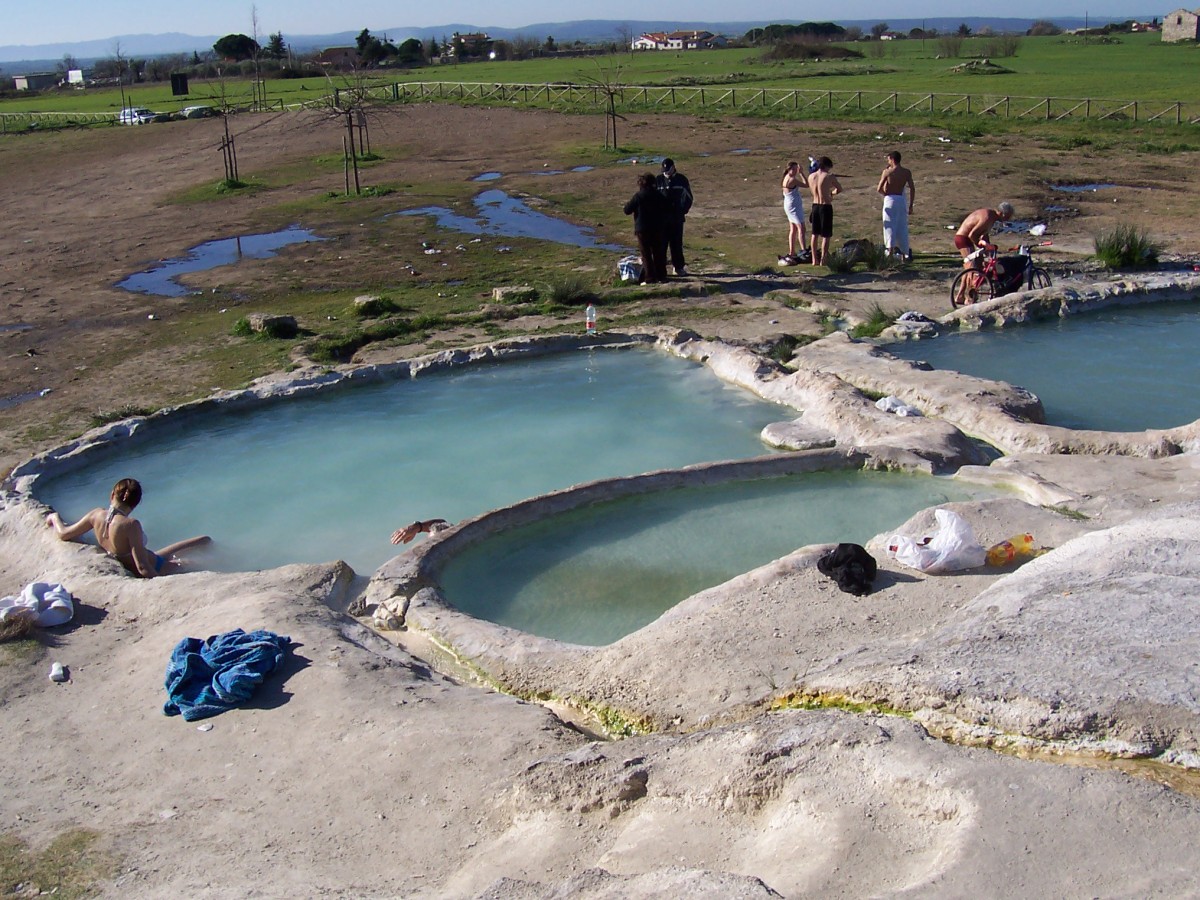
(206, 678)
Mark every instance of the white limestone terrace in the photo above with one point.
(733, 780)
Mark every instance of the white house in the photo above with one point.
(678, 40)
(652, 40)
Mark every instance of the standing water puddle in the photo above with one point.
(331, 476)
(1082, 188)
(591, 576)
(1118, 369)
(160, 280)
(506, 216)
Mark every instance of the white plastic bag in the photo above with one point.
(630, 268)
(949, 549)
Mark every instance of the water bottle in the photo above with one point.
(589, 318)
(1005, 552)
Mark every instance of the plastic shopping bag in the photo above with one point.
(949, 549)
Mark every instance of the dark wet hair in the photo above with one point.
(646, 180)
(825, 162)
(127, 492)
(894, 156)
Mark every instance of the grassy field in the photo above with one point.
(1130, 67)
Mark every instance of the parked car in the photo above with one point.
(139, 115)
(197, 112)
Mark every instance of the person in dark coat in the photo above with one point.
(650, 213)
(678, 191)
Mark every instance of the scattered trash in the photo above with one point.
(1003, 553)
(951, 548)
(432, 251)
(1038, 230)
(151, 317)
(58, 673)
(944, 140)
(504, 249)
(44, 391)
(207, 726)
(892, 405)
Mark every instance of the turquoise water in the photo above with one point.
(1119, 369)
(328, 477)
(593, 575)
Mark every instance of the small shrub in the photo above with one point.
(879, 259)
(1126, 247)
(569, 290)
(950, 46)
(242, 328)
(374, 308)
(229, 185)
(783, 348)
(839, 263)
(877, 320)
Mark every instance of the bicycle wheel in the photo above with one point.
(971, 286)
(1039, 278)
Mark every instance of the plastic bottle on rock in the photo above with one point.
(589, 318)
(1003, 553)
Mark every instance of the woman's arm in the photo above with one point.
(70, 532)
(408, 532)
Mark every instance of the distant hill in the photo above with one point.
(16, 59)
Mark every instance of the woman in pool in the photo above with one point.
(121, 535)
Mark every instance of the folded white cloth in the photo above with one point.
(51, 604)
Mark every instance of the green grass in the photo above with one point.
(72, 866)
(1135, 67)
(877, 320)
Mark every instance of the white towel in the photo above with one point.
(51, 604)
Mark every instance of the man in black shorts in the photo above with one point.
(824, 187)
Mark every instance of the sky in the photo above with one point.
(64, 21)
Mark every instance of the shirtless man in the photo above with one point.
(892, 182)
(121, 535)
(824, 187)
(975, 231)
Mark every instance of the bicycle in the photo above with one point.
(997, 276)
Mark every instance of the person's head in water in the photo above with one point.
(127, 492)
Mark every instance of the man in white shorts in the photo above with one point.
(892, 183)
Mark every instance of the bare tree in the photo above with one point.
(608, 80)
(352, 107)
(625, 37)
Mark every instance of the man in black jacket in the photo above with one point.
(678, 191)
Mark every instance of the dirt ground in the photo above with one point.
(87, 208)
